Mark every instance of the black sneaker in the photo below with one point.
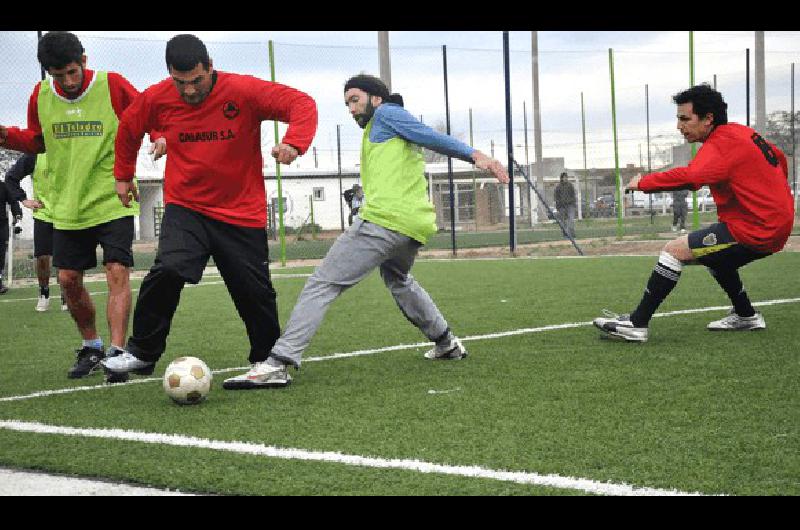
(115, 377)
(3, 289)
(88, 362)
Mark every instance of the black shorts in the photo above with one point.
(42, 238)
(77, 249)
(716, 248)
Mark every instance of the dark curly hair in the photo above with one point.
(57, 49)
(705, 100)
(186, 51)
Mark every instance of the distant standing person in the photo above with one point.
(16, 212)
(356, 202)
(396, 220)
(213, 190)
(36, 167)
(679, 210)
(566, 202)
(747, 176)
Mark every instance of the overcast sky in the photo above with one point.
(570, 63)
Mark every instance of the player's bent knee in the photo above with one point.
(679, 249)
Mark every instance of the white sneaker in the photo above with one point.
(127, 362)
(674, 228)
(734, 322)
(64, 306)
(620, 326)
(452, 350)
(260, 375)
(43, 304)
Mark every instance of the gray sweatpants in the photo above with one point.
(356, 253)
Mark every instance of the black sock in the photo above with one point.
(44, 291)
(731, 283)
(664, 278)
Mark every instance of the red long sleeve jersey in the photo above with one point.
(214, 161)
(747, 176)
(30, 140)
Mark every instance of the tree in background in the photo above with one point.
(779, 129)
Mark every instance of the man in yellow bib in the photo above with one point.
(395, 220)
(74, 115)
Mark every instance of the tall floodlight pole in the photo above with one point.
(695, 213)
(385, 62)
(537, 121)
(510, 143)
(761, 105)
(616, 148)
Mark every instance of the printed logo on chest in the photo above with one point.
(230, 110)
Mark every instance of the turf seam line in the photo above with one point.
(257, 449)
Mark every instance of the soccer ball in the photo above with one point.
(187, 380)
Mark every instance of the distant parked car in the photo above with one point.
(604, 206)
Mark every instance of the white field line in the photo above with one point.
(398, 347)
(201, 284)
(519, 477)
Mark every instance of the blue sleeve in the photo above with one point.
(393, 120)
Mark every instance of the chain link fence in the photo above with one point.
(578, 141)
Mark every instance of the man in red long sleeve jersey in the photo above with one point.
(75, 115)
(747, 176)
(213, 192)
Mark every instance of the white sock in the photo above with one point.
(665, 258)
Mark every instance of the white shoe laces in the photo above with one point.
(616, 316)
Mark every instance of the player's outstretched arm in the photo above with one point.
(490, 164)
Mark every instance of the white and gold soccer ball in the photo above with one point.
(187, 380)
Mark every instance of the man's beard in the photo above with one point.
(363, 119)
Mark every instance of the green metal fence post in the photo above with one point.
(281, 229)
(313, 227)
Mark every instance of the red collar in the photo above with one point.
(87, 78)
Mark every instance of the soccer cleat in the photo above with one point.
(115, 377)
(260, 375)
(3, 288)
(734, 322)
(64, 306)
(43, 304)
(127, 362)
(620, 326)
(452, 350)
(88, 362)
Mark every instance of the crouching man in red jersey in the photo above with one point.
(747, 176)
(213, 192)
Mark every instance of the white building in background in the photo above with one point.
(302, 189)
